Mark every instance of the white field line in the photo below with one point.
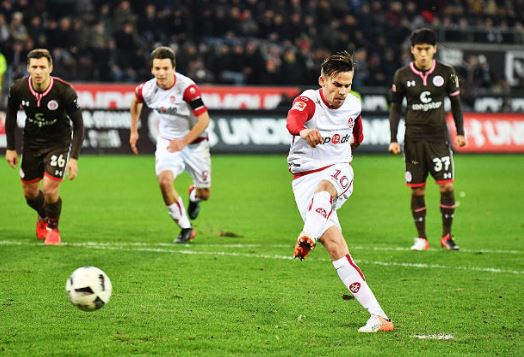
(438, 336)
(255, 245)
(144, 247)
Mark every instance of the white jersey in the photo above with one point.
(335, 126)
(173, 106)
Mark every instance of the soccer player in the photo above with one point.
(425, 83)
(49, 150)
(322, 123)
(182, 142)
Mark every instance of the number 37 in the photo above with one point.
(444, 161)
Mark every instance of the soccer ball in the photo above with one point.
(89, 288)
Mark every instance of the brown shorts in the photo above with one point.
(49, 161)
(423, 158)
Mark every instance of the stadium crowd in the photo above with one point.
(278, 42)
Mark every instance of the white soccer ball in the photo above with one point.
(89, 288)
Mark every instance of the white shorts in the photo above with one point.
(340, 175)
(194, 158)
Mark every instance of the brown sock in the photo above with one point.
(37, 204)
(53, 213)
(418, 209)
(447, 209)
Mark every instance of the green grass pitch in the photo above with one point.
(245, 295)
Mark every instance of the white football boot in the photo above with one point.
(377, 323)
(420, 244)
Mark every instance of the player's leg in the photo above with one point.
(447, 210)
(35, 199)
(175, 205)
(55, 161)
(443, 173)
(416, 175)
(418, 211)
(167, 167)
(316, 194)
(198, 164)
(53, 208)
(32, 171)
(354, 280)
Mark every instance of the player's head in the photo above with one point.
(423, 47)
(336, 77)
(39, 65)
(163, 66)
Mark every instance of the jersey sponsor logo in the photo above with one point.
(438, 81)
(299, 106)
(426, 106)
(336, 139)
(354, 287)
(169, 111)
(52, 105)
(410, 83)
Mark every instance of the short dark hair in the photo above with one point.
(39, 53)
(339, 62)
(163, 52)
(423, 35)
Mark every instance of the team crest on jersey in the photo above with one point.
(52, 105)
(172, 98)
(351, 122)
(438, 81)
(394, 88)
(408, 176)
(354, 287)
(299, 106)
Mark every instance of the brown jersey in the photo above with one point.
(48, 115)
(425, 93)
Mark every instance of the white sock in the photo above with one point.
(193, 195)
(177, 211)
(318, 214)
(354, 280)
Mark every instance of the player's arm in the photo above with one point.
(193, 96)
(358, 133)
(302, 110)
(397, 93)
(13, 103)
(136, 109)
(75, 114)
(456, 108)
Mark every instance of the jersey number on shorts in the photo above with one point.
(57, 161)
(344, 181)
(441, 162)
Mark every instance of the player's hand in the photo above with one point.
(11, 157)
(176, 145)
(461, 141)
(311, 136)
(394, 148)
(72, 168)
(133, 139)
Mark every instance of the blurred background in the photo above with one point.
(258, 55)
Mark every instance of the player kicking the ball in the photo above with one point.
(182, 143)
(322, 123)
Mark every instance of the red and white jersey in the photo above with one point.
(177, 107)
(338, 127)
